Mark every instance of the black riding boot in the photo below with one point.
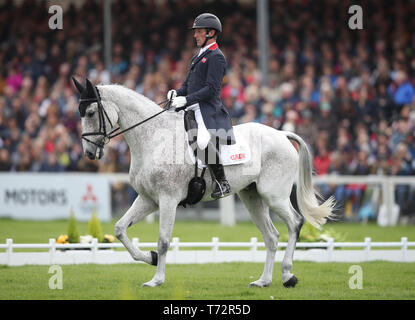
(221, 185)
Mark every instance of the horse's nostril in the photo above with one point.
(90, 155)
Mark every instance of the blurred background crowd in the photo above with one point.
(348, 93)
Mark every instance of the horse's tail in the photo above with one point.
(314, 213)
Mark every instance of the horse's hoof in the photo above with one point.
(152, 283)
(259, 284)
(154, 258)
(291, 282)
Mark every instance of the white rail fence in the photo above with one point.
(386, 183)
(94, 253)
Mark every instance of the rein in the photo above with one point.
(113, 133)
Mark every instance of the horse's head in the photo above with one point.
(97, 119)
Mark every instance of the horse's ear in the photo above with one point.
(78, 86)
(90, 89)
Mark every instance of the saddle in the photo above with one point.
(230, 154)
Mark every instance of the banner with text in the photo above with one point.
(44, 196)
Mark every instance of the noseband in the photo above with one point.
(102, 114)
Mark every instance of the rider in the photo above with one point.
(200, 92)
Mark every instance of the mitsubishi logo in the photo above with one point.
(89, 196)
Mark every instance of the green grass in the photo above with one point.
(41, 231)
(381, 280)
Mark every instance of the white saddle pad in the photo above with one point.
(230, 154)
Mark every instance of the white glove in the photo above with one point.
(171, 94)
(179, 102)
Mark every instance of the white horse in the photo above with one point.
(162, 181)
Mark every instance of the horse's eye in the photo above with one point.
(90, 114)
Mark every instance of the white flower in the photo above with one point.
(324, 237)
(86, 239)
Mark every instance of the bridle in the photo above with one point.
(102, 114)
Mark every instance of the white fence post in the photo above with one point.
(175, 248)
(94, 249)
(150, 218)
(215, 248)
(52, 250)
(135, 242)
(254, 247)
(330, 249)
(386, 198)
(9, 251)
(391, 200)
(404, 242)
(227, 211)
(367, 248)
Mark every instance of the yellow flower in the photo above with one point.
(109, 238)
(62, 238)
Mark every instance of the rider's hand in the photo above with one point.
(179, 103)
(171, 94)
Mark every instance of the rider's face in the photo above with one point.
(200, 36)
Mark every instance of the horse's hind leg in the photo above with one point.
(138, 211)
(260, 215)
(294, 223)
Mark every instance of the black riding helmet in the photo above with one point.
(207, 21)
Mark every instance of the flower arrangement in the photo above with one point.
(108, 238)
(63, 238)
(311, 234)
(86, 239)
(94, 226)
(73, 233)
(94, 231)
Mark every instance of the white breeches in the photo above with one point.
(203, 135)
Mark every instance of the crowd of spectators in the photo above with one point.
(348, 93)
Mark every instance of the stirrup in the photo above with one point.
(222, 188)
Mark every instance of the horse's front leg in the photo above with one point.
(167, 215)
(138, 211)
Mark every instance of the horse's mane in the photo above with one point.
(119, 92)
